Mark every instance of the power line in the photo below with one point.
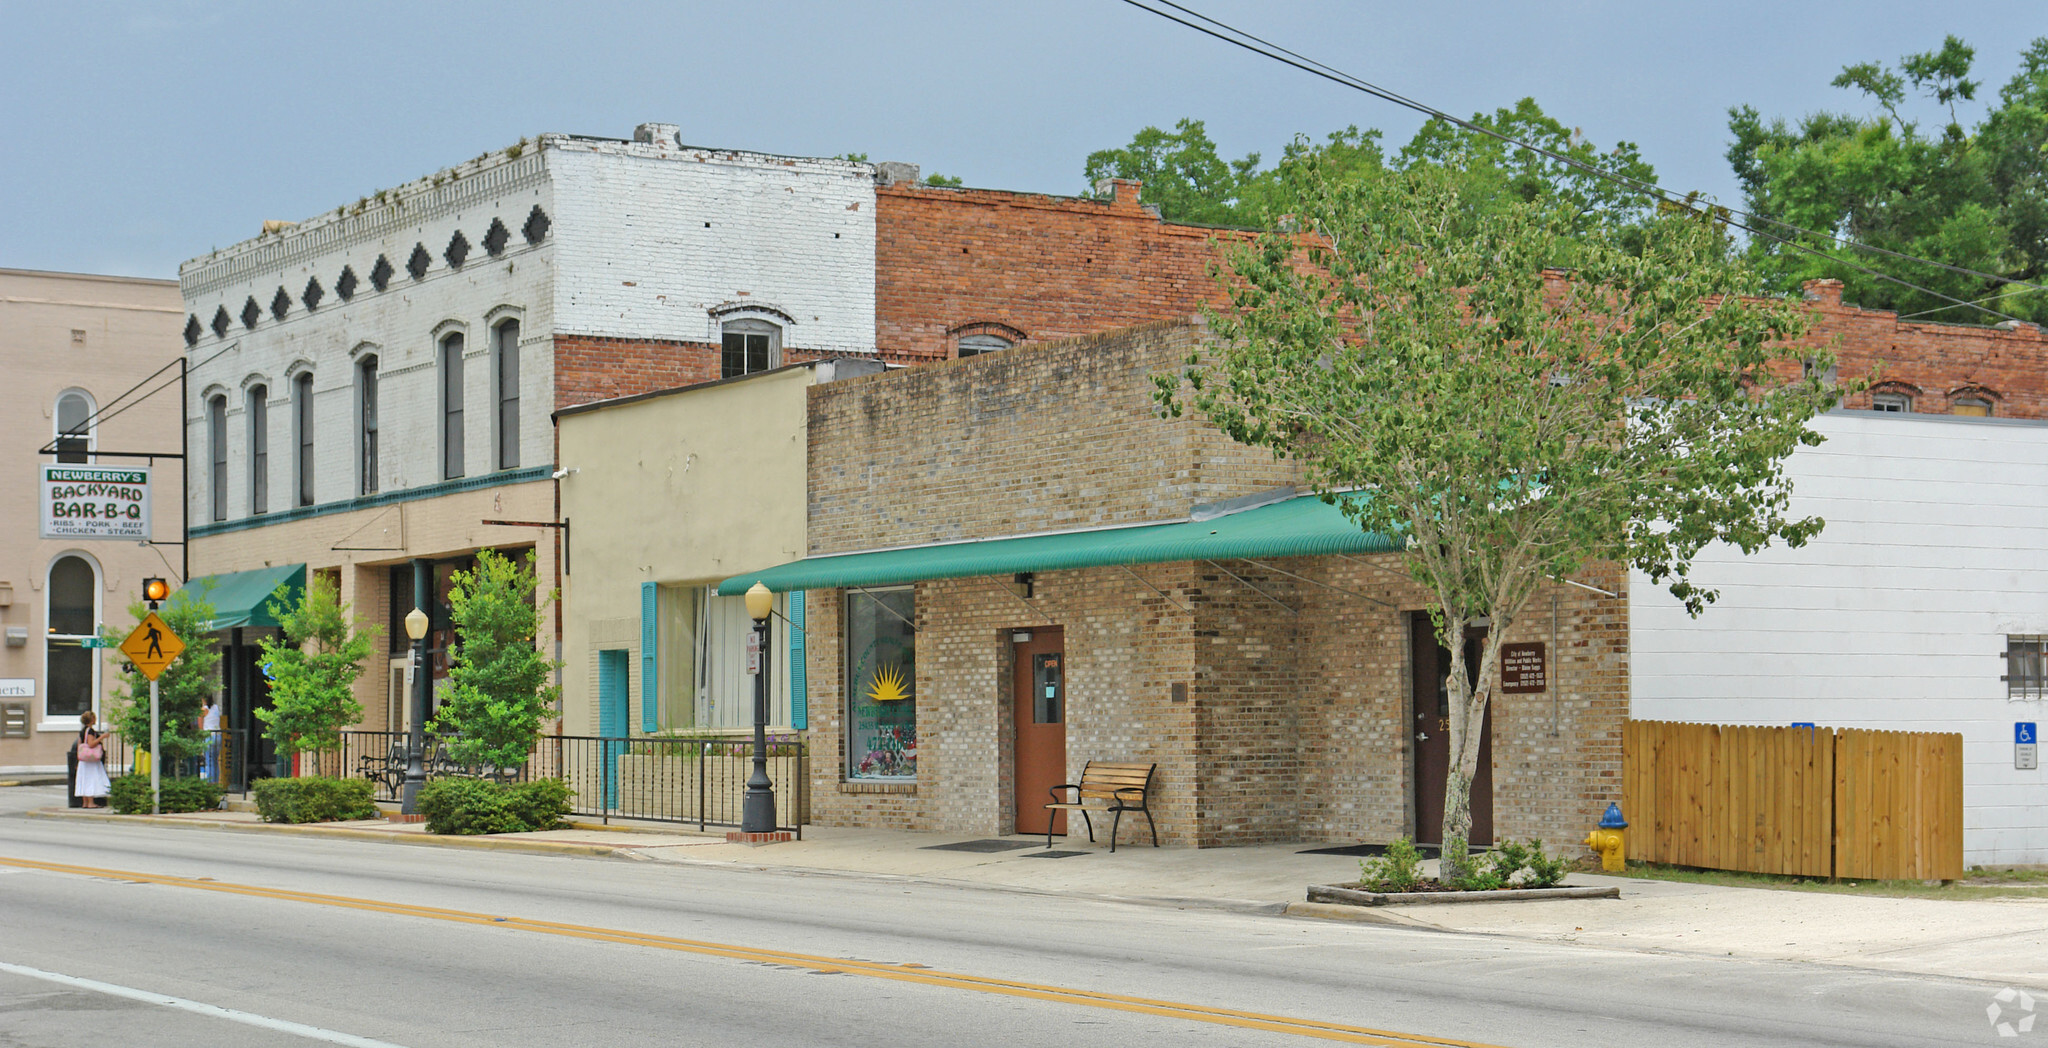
(1338, 76)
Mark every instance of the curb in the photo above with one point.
(1330, 894)
(1331, 911)
(478, 843)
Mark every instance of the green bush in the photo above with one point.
(1517, 866)
(130, 794)
(313, 799)
(1399, 870)
(462, 805)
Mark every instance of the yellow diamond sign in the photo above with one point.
(152, 646)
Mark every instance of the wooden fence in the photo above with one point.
(1810, 802)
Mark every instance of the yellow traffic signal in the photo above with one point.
(155, 591)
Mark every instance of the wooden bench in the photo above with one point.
(1106, 786)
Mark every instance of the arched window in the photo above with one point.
(258, 411)
(975, 345)
(74, 426)
(507, 351)
(302, 435)
(750, 345)
(1973, 407)
(217, 454)
(366, 426)
(71, 671)
(451, 405)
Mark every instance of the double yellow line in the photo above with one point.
(910, 973)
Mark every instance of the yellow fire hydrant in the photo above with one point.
(1609, 842)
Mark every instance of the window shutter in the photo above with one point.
(799, 708)
(650, 683)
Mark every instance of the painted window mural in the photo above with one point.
(881, 684)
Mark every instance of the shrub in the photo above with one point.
(1398, 870)
(313, 799)
(130, 795)
(463, 805)
(1517, 865)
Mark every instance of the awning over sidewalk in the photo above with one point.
(242, 598)
(1298, 527)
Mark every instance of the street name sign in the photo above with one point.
(94, 502)
(152, 646)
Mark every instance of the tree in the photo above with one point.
(1516, 426)
(1973, 199)
(1190, 182)
(1182, 174)
(188, 679)
(313, 670)
(498, 693)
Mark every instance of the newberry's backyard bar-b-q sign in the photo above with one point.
(96, 502)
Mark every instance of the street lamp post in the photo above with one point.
(757, 812)
(416, 735)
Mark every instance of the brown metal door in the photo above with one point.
(1039, 692)
(1431, 726)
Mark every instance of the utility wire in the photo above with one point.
(1313, 67)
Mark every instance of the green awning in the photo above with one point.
(242, 598)
(1304, 526)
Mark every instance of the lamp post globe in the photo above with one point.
(757, 808)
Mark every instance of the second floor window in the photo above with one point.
(451, 406)
(366, 422)
(1897, 402)
(217, 455)
(302, 425)
(259, 449)
(507, 351)
(74, 426)
(750, 346)
(975, 345)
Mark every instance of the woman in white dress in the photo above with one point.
(92, 767)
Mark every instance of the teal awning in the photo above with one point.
(1299, 527)
(242, 598)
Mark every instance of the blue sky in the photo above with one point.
(138, 135)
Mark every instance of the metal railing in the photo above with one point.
(700, 780)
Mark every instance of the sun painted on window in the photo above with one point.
(881, 677)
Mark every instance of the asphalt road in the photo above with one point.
(137, 935)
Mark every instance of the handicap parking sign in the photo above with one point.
(2023, 732)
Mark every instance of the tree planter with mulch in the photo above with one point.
(1357, 895)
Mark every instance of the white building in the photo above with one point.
(372, 385)
(1923, 606)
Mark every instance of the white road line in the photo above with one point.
(199, 1008)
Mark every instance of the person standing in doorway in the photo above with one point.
(93, 787)
(209, 725)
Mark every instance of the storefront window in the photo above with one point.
(881, 684)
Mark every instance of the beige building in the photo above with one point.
(71, 346)
(667, 493)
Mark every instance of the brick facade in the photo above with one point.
(1934, 364)
(950, 262)
(1276, 708)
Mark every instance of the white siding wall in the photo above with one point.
(1895, 618)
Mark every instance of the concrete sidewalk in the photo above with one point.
(1998, 941)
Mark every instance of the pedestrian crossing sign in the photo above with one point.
(152, 646)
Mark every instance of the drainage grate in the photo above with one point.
(983, 846)
(1054, 854)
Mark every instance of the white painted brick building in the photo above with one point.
(642, 241)
(1898, 617)
(368, 387)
